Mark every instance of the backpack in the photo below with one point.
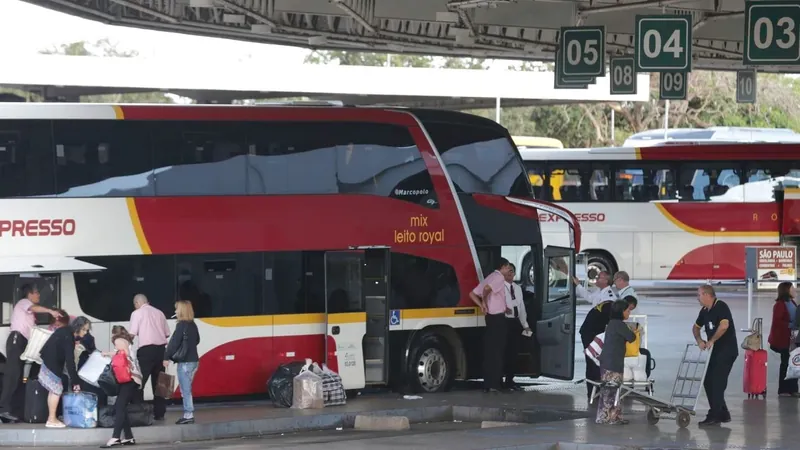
(122, 368)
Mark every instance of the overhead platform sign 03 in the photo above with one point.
(771, 33)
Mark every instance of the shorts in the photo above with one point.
(50, 381)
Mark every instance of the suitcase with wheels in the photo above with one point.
(35, 402)
(755, 373)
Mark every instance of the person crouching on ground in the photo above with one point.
(612, 363)
(57, 354)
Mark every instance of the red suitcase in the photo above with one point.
(755, 373)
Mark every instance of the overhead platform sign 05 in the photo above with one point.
(664, 45)
(580, 57)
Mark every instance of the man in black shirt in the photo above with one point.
(595, 323)
(716, 318)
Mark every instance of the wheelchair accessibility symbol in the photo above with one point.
(394, 319)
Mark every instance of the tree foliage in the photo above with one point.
(106, 48)
(711, 102)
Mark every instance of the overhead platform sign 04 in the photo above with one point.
(562, 81)
(664, 45)
(771, 33)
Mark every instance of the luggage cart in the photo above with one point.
(685, 392)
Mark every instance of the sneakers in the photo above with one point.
(185, 421)
(9, 418)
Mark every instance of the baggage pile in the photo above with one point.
(306, 385)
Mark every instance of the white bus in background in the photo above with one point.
(672, 212)
(711, 135)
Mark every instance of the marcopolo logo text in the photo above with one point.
(37, 227)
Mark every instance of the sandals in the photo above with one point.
(112, 443)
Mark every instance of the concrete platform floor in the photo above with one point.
(757, 424)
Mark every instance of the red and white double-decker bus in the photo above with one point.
(346, 235)
(674, 212)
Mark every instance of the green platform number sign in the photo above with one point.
(583, 51)
(623, 75)
(673, 85)
(746, 86)
(771, 32)
(663, 43)
(560, 81)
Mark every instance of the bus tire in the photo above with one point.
(525, 275)
(431, 366)
(600, 261)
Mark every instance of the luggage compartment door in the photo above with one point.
(555, 331)
(346, 318)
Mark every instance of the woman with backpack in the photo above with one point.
(129, 378)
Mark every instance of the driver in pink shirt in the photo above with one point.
(490, 296)
(23, 321)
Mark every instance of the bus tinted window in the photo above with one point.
(710, 180)
(108, 295)
(102, 158)
(26, 159)
(344, 158)
(419, 282)
(221, 285)
(644, 184)
(197, 158)
(479, 159)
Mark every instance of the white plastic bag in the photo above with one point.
(93, 367)
(38, 337)
(307, 389)
(793, 371)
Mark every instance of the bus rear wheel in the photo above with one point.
(431, 366)
(599, 262)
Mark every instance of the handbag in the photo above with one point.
(165, 386)
(107, 382)
(121, 368)
(183, 349)
(753, 340)
(632, 348)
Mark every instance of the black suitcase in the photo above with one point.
(35, 402)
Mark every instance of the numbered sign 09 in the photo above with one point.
(672, 85)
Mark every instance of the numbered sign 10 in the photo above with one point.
(663, 43)
(771, 32)
(623, 75)
(672, 85)
(746, 86)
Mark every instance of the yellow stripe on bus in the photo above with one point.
(336, 319)
(137, 226)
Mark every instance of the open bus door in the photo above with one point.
(356, 287)
(555, 302)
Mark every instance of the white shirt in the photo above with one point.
(595, 296)
(516, 302)
(626, 291)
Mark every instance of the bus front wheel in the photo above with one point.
(431, 366)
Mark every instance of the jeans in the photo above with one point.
(186, 371)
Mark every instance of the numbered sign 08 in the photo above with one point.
(673, 85)
(623, 75)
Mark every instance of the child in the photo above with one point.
(612, 363)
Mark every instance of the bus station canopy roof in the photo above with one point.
(501, 29)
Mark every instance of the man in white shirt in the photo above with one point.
(622, 282)
(602, 292)
(517, 321)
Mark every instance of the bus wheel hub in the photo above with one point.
(431, 369)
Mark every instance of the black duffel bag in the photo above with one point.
(139, 415)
